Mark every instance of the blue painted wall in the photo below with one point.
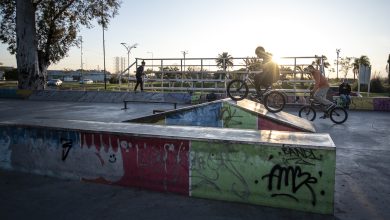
(207, 115)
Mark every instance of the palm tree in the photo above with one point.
(363, 60)
(317, 61)
(224, 60)
(253, 63)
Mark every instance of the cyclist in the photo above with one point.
(321, 87)
(270, 71)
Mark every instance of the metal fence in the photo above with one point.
(213, 74)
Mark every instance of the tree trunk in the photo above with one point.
(388, 73)
(30, 76)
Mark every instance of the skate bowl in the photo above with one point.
(294, 170)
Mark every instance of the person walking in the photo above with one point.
(138, 75)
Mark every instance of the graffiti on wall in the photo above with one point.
(286, 176)
(151, 163)
(368, 103)
(234, 117)
(291, 174)
(381, 104)
(5, 149)
(299, 155)
(35, 149)
(104, 160)
(210, 170)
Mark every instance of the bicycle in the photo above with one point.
(337, 114)
(274, 101)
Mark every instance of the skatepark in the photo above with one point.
(343, 169)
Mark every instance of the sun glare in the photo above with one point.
(277, 59)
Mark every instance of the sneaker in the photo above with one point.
(330, 106)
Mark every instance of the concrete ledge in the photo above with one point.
(15, 93)
(272, 168)
(108, 96)
(368, 103)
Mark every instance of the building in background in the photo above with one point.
(77, 75)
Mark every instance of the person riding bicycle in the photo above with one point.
(321, 87)
(344, 92)
(270, 73)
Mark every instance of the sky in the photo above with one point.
(206, 28)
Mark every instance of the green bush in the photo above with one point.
(115, 79)
(376, 85)
(11, 74)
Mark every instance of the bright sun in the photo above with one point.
(277, 59)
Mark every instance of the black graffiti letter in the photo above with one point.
(66, 145)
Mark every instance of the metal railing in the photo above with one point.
(205, 75)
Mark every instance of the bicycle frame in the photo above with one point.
(259, 91)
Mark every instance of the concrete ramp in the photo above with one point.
(226, 113)
(294, 170)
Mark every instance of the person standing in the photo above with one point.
(321, 87)
(138, 76)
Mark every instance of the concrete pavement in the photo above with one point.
(361, 191)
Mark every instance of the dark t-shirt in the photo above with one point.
(345, 89)
(269, 75)
(140, 70)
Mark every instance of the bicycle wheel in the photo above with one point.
(274, 101)
(308, 113)
(237, 90)
(338, 115)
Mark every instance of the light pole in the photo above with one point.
(152, 58)
(104, 49)
(337, 63)
(128, 49)
(185, 52)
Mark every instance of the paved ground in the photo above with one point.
(362, 175)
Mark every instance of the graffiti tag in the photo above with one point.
(303, 156)
(66, 146)
(292, 179)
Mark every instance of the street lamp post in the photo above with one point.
(128, 49)
(185, 52)
(337, 63)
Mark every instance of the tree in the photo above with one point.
(253, 63)
(224, 60)
(364, 60)
(388, 70)
(317, 61)
(345, 65)
(41, 32)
